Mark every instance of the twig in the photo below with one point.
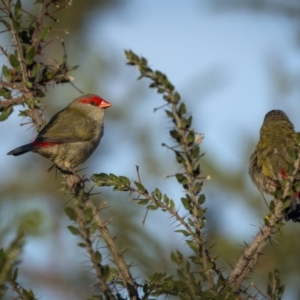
(11, 85)
(19, 50)
(17, 289)
(116, 253)
(13, 101)
(96, 265)
(40, 21)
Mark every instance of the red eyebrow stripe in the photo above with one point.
(96, 99)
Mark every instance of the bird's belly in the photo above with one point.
(69, 155)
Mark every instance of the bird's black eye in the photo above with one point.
(93, 103)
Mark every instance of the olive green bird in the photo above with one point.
(272, 155)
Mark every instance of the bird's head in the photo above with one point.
(91, 104)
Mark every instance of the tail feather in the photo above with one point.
(22, 149)
(293, 212)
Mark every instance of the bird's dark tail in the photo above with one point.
(293, 212)
(21, 150)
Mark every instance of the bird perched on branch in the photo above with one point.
(71, 135)
(277, 149)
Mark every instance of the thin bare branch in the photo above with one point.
(12, 101)
(117, 255)
(40, 23)
(96, 265)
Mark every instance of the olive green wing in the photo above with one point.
(68, 126)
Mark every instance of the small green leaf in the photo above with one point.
(176, 97)
(169, 114)
(105, 271)
(70, 212)
(44, 33)
(197, 187)
(113, 177)
(6, 73)
(35, 70)
(184, 232)
(98, 257)
(4, 92)
(140, 187)
(174, 134)
(143, 201)
(157, 194)
(191, 222)
(281, 290)
(267, 220)
(297, 186)
(101, 176)
(190, 137)
(6, 112)
(100, 179)
(29, 55)
(166, 200)
(93, 228)
(74, 230)
(88, 214)
(186, 123)
(201, 211)
(185, 203)
(179, 255)
(28, 294)
(181, 274)
(201, 199)
(152, 207)
(181, 109)
(181, 179)
(195, 152)
(167, 97)
(153, 85)
(124, 180)
(179, 157)
(173, 257)
(18, 10)
(193, 245)
(14, 61)
(28, 84)
(172, 204)
(286, 204)
(82, 245)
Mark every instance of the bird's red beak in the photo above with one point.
(104, 104)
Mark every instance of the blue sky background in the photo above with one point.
(220, 62)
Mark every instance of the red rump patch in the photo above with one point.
(296, 194)
(283, 173)
(43, 144)
(96, 101)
